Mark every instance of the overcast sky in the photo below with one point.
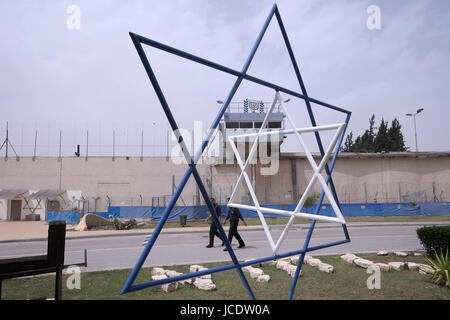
(91, 78)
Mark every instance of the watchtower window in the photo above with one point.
(232, 125)
(274, 125)
(245, 125)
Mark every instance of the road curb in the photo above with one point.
(258, 228)
(382, 224)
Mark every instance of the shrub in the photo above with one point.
(441, 269)
(434, 239)
(310, 201)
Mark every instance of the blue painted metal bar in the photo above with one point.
(317, 210)
(185, 276)
(319, 142)
(300, 260)
(156, 232)
(154, 81)
(307, 100)
(238, 82)
(137, 42)
(312, 225)
(223, 234)
(225, 69)
(331, 167)
(182, 183)
(293, 93)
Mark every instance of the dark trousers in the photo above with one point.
(213, 232)
(234, 233)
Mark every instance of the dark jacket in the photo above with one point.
(218, 212)
(234, 214)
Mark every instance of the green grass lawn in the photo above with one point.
(347, 282)
(275, 221)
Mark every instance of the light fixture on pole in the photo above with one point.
(415, 130)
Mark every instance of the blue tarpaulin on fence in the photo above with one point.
(68, 217)
(155, 213)
(201, 212)
(348, 210)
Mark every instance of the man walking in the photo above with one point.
(234, 215)
(213, 227)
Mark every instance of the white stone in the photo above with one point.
(426, 268)
(171, 273)
(170, 287)
(325, 267)
(247, 269)
(158, 271)
(194, 268)
(383, 267)
(290, 269)
(204, 284)
(159, 277)
(206, 276)
(397, 265)
(281, 264)
(349, 257)
(314, 262)
(382, 253)
(307, 258)
(294, 259)
(417, 254)
(412, 266)
(422, 272)
(263, 278)
(256, 272)
(401, 254)
(363, 263)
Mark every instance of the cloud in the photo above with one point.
(92, 78)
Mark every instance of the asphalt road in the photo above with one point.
(188, 248)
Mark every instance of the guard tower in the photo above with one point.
(247, 117)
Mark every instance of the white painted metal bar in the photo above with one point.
(252, 193)
(333, 142)
(299, 137)
(251, 153)
(299, 214)
(331, 199)
(290, 131)
(316, 176)
(183, 146)
(284, 234)
(308, 188)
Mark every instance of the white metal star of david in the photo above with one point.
(339, 127)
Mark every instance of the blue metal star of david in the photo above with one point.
(192, 161)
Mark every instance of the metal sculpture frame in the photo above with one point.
(192, 161)
(315, 177)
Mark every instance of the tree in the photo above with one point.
(385, 139)
(364, 143)
(348, 144)
(396, 136)
(382, 141)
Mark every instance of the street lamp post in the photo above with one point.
(415, 129)
(154, 140)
